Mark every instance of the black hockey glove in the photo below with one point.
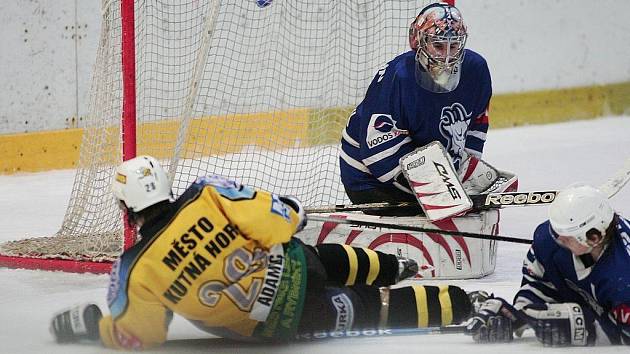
(559, 325)
(296, 205)
(76, 323)
(492, 322)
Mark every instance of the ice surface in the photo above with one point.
(545, 157)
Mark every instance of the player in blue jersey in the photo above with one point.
(576, 278)
(437, 91)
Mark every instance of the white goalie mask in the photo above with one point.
(140, 183)
(579, 209)
(438, 36)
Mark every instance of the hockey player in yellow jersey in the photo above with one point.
(223, 256)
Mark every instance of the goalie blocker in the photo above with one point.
(443, 193)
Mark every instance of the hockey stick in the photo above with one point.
(329, 335)
(418, 229)
(614, 183)
(382, 332)
(492, 200)
(480, 202)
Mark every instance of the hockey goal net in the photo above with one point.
(257, 94)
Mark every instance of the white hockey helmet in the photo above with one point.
(141, 182)
(577, 210)
(438, 36)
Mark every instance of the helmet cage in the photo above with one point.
(438, 36)
(438, 53)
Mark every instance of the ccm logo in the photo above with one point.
(447, 180)
(520, 198)
(579, 331)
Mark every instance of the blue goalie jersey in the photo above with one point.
(552, 274)
(397, 116)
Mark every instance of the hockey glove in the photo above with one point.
(76, 323)
(296, 205)
(477, 298)
(492, 323)
(560, 325)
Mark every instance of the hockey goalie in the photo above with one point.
(418, 137)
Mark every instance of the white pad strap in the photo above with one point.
(434, 182)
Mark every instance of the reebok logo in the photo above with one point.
(343, 334)
(520, 198)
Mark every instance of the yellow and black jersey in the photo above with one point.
(221, 257)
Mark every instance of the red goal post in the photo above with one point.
(259, 95)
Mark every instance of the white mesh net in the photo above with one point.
(259, 95)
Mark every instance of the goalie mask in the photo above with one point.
(438, 36)
(579, 211)
(140, 183)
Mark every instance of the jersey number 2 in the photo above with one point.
(237, 265)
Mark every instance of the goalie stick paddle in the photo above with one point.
(326, 335)
(492, 200)
(351, 221)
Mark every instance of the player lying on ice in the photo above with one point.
(224, 257)
(438, 91)
(576, 278)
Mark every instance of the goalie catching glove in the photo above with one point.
(479, 177)
(76, 323)
(558, 325)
